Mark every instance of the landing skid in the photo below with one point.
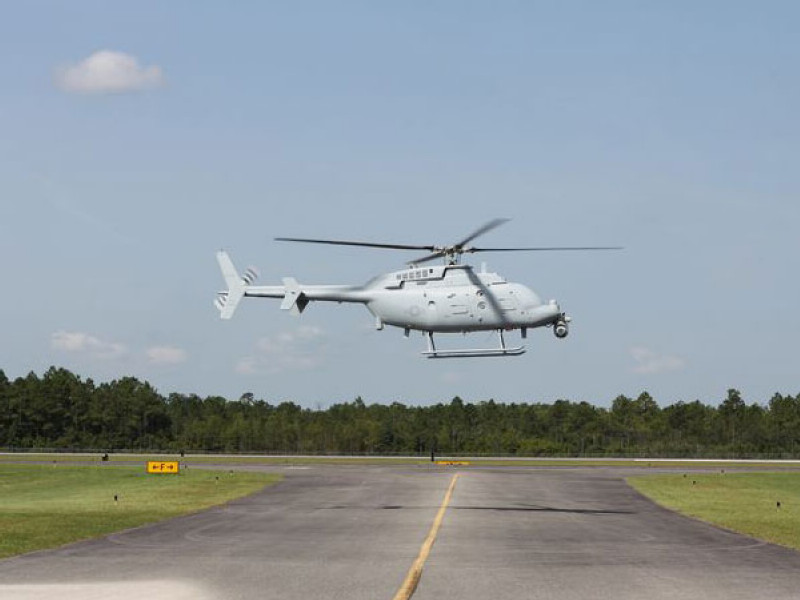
(475, 353)
(503, 350)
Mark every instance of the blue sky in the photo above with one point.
(668, 128)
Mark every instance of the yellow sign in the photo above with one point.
(452, 463)
(161, 466)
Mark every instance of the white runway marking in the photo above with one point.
(118, 590)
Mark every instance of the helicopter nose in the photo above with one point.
(528, 298)
(544, 313)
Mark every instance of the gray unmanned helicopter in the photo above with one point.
(447, 298)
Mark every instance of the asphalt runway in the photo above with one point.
(354, 531)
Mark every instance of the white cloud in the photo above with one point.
(107, 71)
(166, 355)
(80, 342)
(247, 365)
(289, 339)
(649, 362)
(297, 350)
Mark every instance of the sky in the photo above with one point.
(137, 139)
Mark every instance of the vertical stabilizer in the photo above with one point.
(228, 300)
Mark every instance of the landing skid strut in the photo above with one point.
(503, 350)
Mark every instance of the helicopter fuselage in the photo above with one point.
(454, 298)
(440, 299)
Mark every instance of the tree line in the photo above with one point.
(60, 410)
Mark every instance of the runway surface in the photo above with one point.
(353, 532)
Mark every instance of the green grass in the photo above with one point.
(212, 459)
(743, 502)
(48, 506)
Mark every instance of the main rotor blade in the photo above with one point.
(543, 249)
(362, 244)
(480, 231)
(427, 258)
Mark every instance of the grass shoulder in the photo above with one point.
(48, 506)
(764, 505)
(222, 460)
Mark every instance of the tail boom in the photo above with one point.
(295, 296)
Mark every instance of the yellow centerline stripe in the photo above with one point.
(415, 572)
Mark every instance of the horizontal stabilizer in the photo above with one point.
(293, 300)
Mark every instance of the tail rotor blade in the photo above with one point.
(250, 275)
